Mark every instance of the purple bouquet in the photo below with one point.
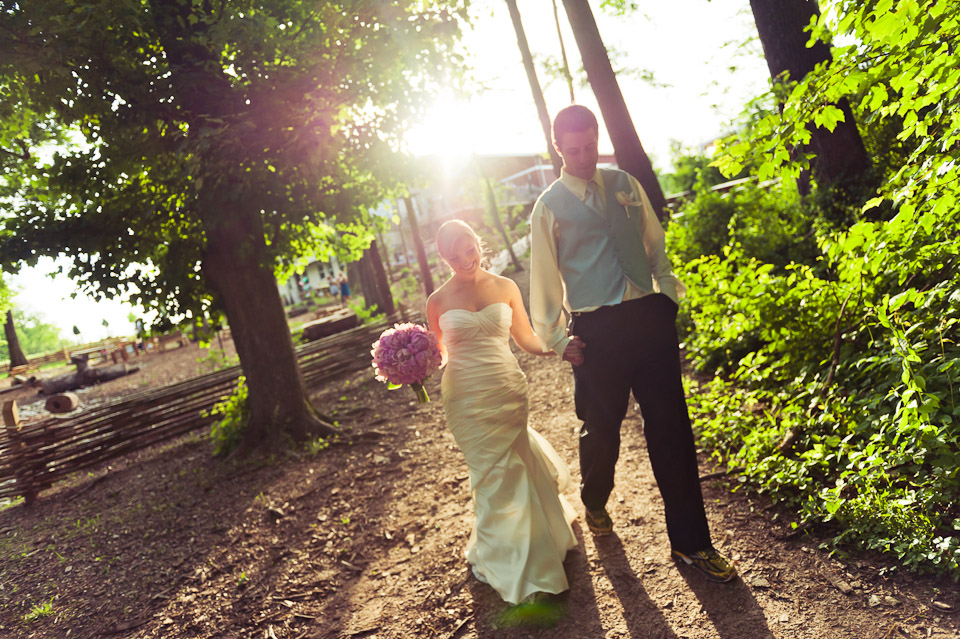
(406, 354)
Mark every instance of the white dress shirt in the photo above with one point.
(548, 300)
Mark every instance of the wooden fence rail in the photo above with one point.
(34, 456)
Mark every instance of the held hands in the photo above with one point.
(573, 353)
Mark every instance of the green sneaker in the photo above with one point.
(711, 563)
(599, 522)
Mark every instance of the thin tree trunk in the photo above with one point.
(385, 255)
(418, 242)
(534, 85)
(368, 283)
(840, 154)
(626, 144)
(17, 358)
(380, 280)
(495, 210)
(568, 76)
(403, 236)
(495, 213)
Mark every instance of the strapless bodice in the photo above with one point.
(478, 338)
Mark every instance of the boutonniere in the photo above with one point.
(626, 201)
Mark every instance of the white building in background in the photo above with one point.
(314, 278)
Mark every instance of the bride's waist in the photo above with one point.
(483, 366)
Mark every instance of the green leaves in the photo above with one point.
(851, 350)
(172, 116)
(827, 117)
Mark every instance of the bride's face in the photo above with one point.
(464, 257)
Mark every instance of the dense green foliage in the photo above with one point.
(170, 115)
(836, 367)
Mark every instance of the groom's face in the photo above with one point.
(579, 152)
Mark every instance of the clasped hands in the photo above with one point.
(573, 353)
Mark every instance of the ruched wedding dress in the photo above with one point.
(522, 531)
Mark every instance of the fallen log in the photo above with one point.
(84, 376)
(329, 325)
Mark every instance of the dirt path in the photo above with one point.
(366, 539)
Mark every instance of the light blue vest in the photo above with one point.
(598, 253)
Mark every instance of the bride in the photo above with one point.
(522, 531)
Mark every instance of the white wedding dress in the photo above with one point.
(522, 531)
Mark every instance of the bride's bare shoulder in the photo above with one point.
(505, 284)
(439, 296)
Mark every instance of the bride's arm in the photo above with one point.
(433, 321)
(520, 329)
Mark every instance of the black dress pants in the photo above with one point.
(633, 346)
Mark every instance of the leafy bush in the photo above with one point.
(366, 315)
(834, 385)
(768, 224)
(234, 412)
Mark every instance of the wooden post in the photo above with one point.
(20, 462)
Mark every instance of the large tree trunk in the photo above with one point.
(534, 85)
(418, 241)
(626, 144)
(17, 358)
(235, 261)
(840, 154)
(248, 291)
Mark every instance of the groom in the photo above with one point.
(598, 252)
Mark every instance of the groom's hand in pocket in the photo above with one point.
(573, 353)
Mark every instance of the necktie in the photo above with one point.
(593, 198)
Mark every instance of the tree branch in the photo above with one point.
(24, 152)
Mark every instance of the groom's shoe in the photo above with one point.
(599, 522)
(711, 563)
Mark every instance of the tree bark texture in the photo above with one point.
(235, 258)
(623, 135)
(248, 291)
(17, 358)
(418, 242)
(385, 254)
(840, 154)
(380, 280)
(368, 284)
(534, 85)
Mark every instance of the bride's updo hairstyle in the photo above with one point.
(451, 231)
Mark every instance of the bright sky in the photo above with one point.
(681, 42)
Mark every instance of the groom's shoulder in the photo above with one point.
(556, 184)
(545, 196)
(551, 190)
(610, 173)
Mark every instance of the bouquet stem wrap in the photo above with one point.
(421, 391)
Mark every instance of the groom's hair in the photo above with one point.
(573, 119)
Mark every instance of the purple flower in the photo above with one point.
(405, 354)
